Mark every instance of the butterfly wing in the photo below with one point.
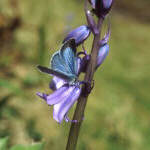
(64, 60)
(58, 64)
(68, 55)
(53, 72)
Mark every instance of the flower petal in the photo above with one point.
(101, 7)
(56, 83)
(93, 3)
(103, 52)
(41, 95)
(79, 34)
(56, 96)
(61, 109)
(79, 65)
(107, 4)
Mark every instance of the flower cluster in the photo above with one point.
(67, 63)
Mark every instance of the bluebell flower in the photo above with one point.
(62, 100)
(102, 53)
(104, 48)
(80, 34)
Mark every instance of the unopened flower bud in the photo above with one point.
(80, 34)
(91, 22)
(102, 53)
(101, 7)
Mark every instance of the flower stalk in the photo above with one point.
(82, 101)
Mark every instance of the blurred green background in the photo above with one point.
(117, 116)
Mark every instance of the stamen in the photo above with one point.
(67, 119)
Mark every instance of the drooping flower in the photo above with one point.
(61, 109)
(62, 100)
(80, 34)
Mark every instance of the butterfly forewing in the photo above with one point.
(68, 54)
(53, 72)
(64, 61)
(58, 64)
(69, 59)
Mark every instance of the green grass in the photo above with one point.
(118, 110)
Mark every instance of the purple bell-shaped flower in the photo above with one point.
(80, 34)
(102, 53)
(62, 98)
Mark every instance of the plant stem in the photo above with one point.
(80, 108)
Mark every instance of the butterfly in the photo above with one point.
(64, 63)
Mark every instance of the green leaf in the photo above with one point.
(3, 143)
(38, 146)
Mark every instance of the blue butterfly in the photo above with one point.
(64, 63)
